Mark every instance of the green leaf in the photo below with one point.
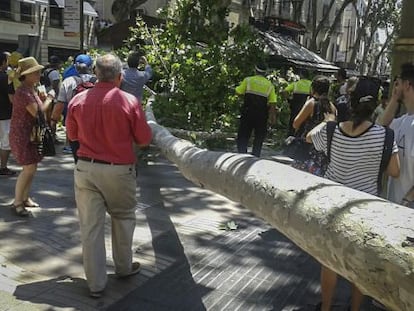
(232, 225)
(228, 226)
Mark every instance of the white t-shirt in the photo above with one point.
(355, 160)
(404, 136)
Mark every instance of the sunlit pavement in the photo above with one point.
(189, 263)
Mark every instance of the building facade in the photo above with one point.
(37, 28)
(337, 46)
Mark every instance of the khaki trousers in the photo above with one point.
(101, 188)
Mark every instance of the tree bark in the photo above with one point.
(359, 236)
(360, 33)
(367, 46)
(384, 47)
(313, 44)
(321, 24)
(330, 31)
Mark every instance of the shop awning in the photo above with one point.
(87, 7)
(60, 3)
(35, 1)
(89, 10)
(287, 50)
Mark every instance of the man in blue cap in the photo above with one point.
(70, 87)
(71, 70)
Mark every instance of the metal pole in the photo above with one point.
(39, 39)
(347, 41)
(81, 26)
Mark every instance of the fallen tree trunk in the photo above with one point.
(360, 236)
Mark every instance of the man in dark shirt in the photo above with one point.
(6, 90)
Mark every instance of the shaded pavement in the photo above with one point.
(188, 262)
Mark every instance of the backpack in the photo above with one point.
(44, 78)
(306, 157)
(386, 151)
(83, 85)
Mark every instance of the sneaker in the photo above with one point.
(67, 149)
(7, 172)
(97, 294)
(136, 267)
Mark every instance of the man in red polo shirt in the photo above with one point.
(106, 121)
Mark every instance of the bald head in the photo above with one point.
(108, 68)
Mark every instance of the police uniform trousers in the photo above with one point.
(253, 119)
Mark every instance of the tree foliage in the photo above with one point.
(378, 14)
(196, 66)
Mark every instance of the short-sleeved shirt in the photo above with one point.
(354, 160)
(106, 121)
(404, 136)
(343, 108)
(303, 86)
(5, 104)
(133, 80)
(54, 75)
(258, 85)
(69, 85)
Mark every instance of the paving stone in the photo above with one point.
(188, 263)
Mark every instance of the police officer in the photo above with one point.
(298, 92)
(259, 104)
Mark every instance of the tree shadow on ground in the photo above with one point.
(173, 288)
(208, 270)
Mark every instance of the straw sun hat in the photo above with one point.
(28, 65)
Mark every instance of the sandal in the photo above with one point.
(30, 203)
(20, 210)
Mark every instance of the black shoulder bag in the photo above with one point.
(42, 137)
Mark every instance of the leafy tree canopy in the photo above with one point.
(197, 62)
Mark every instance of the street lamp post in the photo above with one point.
(81, 26)
(348, 30)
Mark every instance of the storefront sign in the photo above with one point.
(71, 18)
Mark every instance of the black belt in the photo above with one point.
(86, 159)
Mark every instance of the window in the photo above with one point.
(26, 12)
(55, 15)
(5, 9)
(286, 5)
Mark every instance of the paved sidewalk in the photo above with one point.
(188, 262)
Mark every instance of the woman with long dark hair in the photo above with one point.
(311, 114)
(355, 157)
